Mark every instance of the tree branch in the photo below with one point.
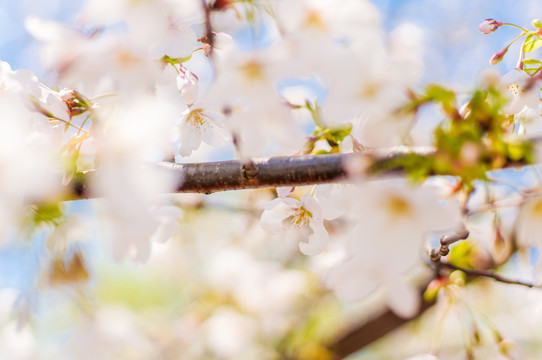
(212, 177)
(362, 335)
(207, 178)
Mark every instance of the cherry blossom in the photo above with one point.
(391, 220)
(130, 184)
(529, 224)
(245, 90)
(529, 120)
(55, 37)
(197, 125)
(111, 332)
(353, 18)
(27, 176)
(160, 27)
(303, 214)
(520, 90)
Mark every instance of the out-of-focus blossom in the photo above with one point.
(111, 333)
(45, 100)
(158, 27)
(391, 220)
(61, 44)
(220, 42)
(229, 332)
(529, 120)
(27, 161)
(423, 357)
(245, 90)
(529, 223)
(73, 229)
(352, 19)
(128, 180)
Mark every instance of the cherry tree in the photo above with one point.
(326, 225)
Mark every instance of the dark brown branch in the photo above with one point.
(211, 177)
(376, 328)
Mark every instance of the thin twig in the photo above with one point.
(486, 273)
(208, 28)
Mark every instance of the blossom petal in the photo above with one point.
(317, 242)
(403, 298)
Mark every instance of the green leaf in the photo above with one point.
(338, 135)
(463, 253)
(438, 93)
(441, 95)
(537, 23)
(532, 45)
(531, 71)
(175, 61)
(47, 213)
(531, 62)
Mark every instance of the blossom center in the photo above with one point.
(253, 71)
(196, 117)
(314, 20)
(369, 90)
(398, 206)
(300, 217)
(537, 208)
(515, 89)
(127, 59)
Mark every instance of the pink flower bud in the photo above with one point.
(187, 84)
(497, 57)
(67, 95)
(489, 25)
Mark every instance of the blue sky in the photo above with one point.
(456, 52)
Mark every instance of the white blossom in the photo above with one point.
(245, 91)
(159, 27)
(305, 214)
(197, 125)
(391, 220)
(520, 90)
(130, 184)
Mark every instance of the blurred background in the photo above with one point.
(251, 294)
